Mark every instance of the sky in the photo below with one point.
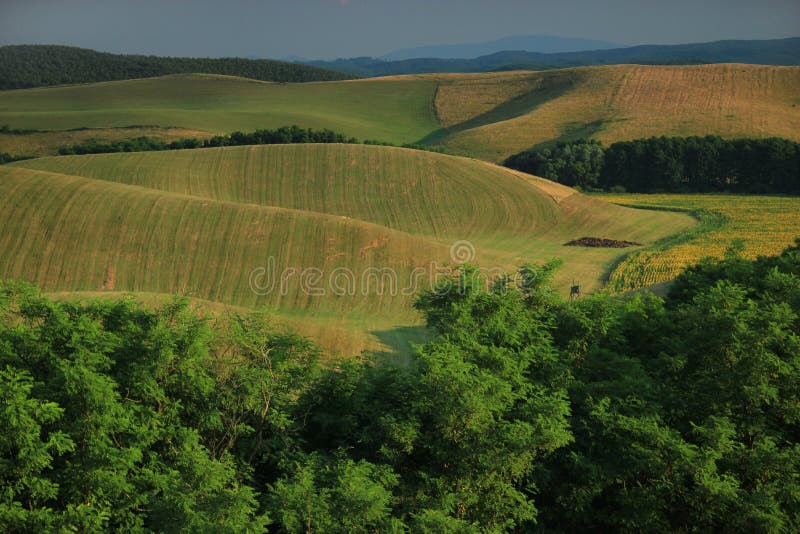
(326, 29)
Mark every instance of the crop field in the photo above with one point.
(765, 225)
(202, 222)
(495, 115)
(488, 116)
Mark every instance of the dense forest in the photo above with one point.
(760, 52)
(525, 413)
(23, 66)
(670, 164)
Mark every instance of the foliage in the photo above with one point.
(525, 413)
(574, 164)
(683, 408)
(8, 158)
(24, 66)
(116, 411)
(671, 164)
(278, 136)
(704, 164)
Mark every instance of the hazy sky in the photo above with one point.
(345, 28)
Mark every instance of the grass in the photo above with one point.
(398, 111)
(765, 225)
(199, 222)
(488, 116)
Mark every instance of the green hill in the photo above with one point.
(202, 221)
(400, 111)
(24, 66)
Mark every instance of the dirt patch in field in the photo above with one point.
(110, 280)
(601, 242)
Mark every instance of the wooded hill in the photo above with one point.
(23, 66)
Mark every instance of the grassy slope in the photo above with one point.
(199, 221)
(489, 116)
(399, 111)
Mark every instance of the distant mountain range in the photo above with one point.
(545, 44)
(764, 52)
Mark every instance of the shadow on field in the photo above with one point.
(401, 340)
(573, 132)
(552, 87)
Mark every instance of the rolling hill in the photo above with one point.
(399, 111)
(24, 66)
(490, 116)
(211, 222)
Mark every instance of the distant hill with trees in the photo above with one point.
(533, 43)
(23, 66)
(761, 52)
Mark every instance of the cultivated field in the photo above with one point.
(495, 115)
(765, 225)
(201, 222)
(489, 116)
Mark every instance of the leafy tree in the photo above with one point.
(323, 494)
(575, 164)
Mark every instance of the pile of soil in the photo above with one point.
(601, 242)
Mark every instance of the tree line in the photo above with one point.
(8, 158)
(23, 66)
(670, 164)
(282, 135)
(278, 136)
(524, 413)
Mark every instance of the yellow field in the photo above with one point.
(766, 225)
(202, 222)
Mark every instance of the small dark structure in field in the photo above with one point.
(574, 291)
(601, 242)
